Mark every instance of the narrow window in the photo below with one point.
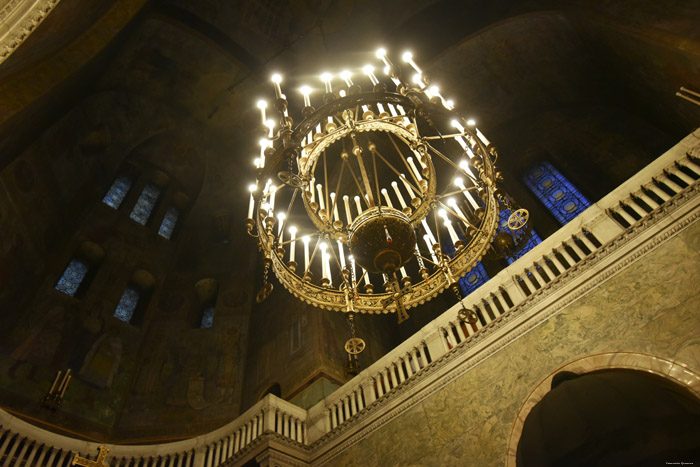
(557, 193)
(207, 317)
(117, 192)
(144, 205)
(169, 221)
(72, 277)
(128, 303)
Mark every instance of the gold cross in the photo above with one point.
(77, 460)
(397, 294)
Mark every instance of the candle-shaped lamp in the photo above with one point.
(305, 240)
(276, 80)
(293, 236)
(262, 105)
(306, 92)
(251, 205)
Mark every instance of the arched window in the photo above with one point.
(207, 317)
(117, 192)
(132, 304)
(144, 205)
(81, 269)
(169, 221)
(557, 193)
(128, 303)
(72, 276)
(207, 291)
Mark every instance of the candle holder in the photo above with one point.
(54, 397)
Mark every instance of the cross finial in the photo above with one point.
(99, 462)
(397, 294)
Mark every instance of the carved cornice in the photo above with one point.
(458, 360)
(19, 29)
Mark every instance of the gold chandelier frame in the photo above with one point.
(415, 111)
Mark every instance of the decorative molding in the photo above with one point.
(17, 25)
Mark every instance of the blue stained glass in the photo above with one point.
(127, 304)
(531, 243)
(208, 317)
(557, 193)
(474, 278)
(144, 206)
(169, 221)
(117, 192)
(72, 277)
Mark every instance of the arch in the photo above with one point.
(675, 372)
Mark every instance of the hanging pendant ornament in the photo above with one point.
(468, 316)
(267, 288)
(289, 177)
(353, 347)
(518, 219)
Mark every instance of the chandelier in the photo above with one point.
(356, 206)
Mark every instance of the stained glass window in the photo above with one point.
(72, 277)
(208, 317)
(117, 192)
(169, 221)
(127, 304)
(474, 278)
(144, 205)
(557, 193)
(531, 243)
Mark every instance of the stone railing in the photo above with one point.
(637, 198)
(23, 444)
(667, 182)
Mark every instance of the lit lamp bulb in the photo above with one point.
(345, 75)
(417, 79)
(381, 55)
(292, 235)
(369, 71)
(453, 204)
(449, 104)
(460, 139)
(306, 91)
(262, 105)
(276, 80)
(251, 206)
(470, 198)
(408, 58)
(464, 165)
(326, 78)
(453, 235)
